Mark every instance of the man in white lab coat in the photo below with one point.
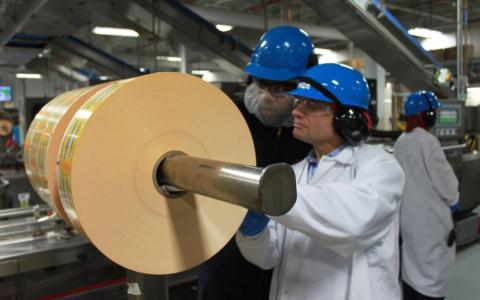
(340, 239)
(431, 188)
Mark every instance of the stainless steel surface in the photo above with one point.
(147, 287)
(472, 119)
(383, 40)
(271, 190)
(469, 182)
(454, 147)
(21, 212)
(42, 252)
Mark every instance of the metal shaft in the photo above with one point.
(271, 190)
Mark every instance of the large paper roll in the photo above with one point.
(107, 166)
(43, 139)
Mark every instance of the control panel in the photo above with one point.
(450, 120)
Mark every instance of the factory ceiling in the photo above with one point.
(33, 33)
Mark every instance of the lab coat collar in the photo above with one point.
(343, 156)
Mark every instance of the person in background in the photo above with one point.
(283, 53)
(340, 239)
(430, 196)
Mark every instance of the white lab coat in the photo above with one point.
(425, 219)
(340, 239)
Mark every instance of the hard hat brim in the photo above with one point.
(270, 73)
(311, 94)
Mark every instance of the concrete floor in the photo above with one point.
(465, 281)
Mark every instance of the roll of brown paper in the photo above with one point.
(107, 167)
(42, 143)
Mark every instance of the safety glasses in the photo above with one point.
(311, 105)
(275, 87)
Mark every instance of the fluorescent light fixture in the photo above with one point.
(322, 51)
(223, 27)
(425, 32)
(200, 72)
(103, 77)
(441, 42)
(115, 31)
(332, 57)
(169, 58)
(28, 76)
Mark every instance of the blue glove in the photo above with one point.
(253, 223)
(454, 208)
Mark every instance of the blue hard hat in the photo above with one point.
(420, 101)
(282, 53)
(345, 83)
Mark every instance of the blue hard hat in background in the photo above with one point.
(282, 54)
(420, 101)
(346, 83)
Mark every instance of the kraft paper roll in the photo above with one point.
(107, 161)
(43, 139)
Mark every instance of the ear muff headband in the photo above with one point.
(430, 116)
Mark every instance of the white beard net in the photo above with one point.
(272, 110)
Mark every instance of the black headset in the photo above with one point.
(430, 116)
(312, 60)
(352, 123)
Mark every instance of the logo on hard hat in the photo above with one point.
(304, 86)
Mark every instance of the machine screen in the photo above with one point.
(5, 93)
(449, 116)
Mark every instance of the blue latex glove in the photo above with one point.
(253, 223)
(454, 208)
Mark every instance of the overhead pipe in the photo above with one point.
(460, 84)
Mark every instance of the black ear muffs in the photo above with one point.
(430, 116)
(352, 123)
(312, 60)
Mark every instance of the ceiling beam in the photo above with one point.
(28, 9)
(221, 16)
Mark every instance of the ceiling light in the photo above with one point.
(322, 51)
(115, 31)
(223, 27)
(103, 77)
(28, 76)
(200, 72)
(424, 32)
(169, 58)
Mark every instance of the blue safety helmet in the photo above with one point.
(347, 84)
(421, 101)
(282, 54)
(348, 90)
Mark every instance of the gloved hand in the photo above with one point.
(253, 223)
(454, 208)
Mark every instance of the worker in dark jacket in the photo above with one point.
(282, 54)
